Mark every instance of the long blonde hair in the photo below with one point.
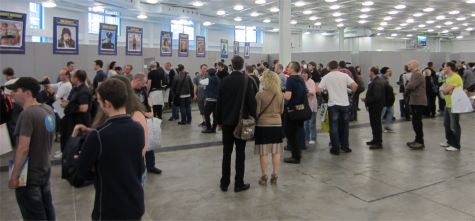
(271, 82)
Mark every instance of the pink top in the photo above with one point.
(312, 98)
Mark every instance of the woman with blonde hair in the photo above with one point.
(268, 135)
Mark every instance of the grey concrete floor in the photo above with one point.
(390, 184)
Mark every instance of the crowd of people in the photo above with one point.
(110, 113)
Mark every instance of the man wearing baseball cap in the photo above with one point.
(34, 134)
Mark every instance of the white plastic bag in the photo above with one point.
(460, 102)
(154, 133)
(5, 144)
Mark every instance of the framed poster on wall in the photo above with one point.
(134, 38)
(107, 39)
(224, 48)
(236, 47)
(183, 45)
(65, 36)
(166, 44)
(200, 46)
(12, 32)
(247, 50)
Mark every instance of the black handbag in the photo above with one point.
(301, 112)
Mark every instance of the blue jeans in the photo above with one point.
(185, 109)
(35, 202)
(311, 128)
(339, 126)
(150, 159)
(175, 111)
(388, 119)
(453, 131)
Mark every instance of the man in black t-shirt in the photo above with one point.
(156, 83)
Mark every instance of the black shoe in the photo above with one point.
(208, 131)
(171, 119)
(346, 150)
(417, 146)
(244, 187)
(376, 147)
(334, 152)
(410, 143)
(154, 170)
(369, 143)
(291, 160)
(181, 123)
(202, 124)
(223, 188)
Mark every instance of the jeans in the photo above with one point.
(175, 111)
(150, 159)
(35, 202)
(417, 112)
(228, 142)
(388, 119)
(311, 128)
(210, 108)
(339, 126)
(185, 109)
(375, 113)
(453, 131)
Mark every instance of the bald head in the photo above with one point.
(413, 65)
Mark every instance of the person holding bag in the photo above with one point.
(229, 113)
(183, 91)
(268, 136)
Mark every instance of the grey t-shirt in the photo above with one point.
(38, 123)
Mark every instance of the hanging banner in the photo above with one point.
(12, 32)
(65, 36)
(183, 45)
(236, 47)
(200, 46)
(166, 44)
(107, 39)
(133, 45)
(247, 50)
(224, 48)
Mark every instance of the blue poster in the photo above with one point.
(166, 44)
(183, 45)
(12, 32)
(200, 46)
(133, 45)
(421, 40)
(247, 50)
(224, 48)
(107, 39)
(65, 36)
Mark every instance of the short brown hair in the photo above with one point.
(114, 91)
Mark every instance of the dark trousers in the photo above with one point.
(453, 131)
(339, 126)
(210, 108)
(228, 142)
(441, 103)
(354, 109)
(293, 131)
(157, 111)
(185, 109)
(417, 112)
(376, 124)
(35, 202)
(150, 159)
(431, 108)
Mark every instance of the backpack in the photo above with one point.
(6, 107)
(361, 84)
(389, 93)
(69, 163)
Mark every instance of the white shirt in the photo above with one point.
(336, 83)
(62, 93)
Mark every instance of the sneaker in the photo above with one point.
(450, 148)
(311, 142)
(58, 155)
(444, 145)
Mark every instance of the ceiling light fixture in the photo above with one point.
(380, 28)
(410, 20)
(470, 1)
(409, 35)
(394, 35)
(430, 22)
(266, 20)
(459, 37)
(393, 12)
(197, 4)
(275, 30)
(445, 31)
(455, 28)
(306, 33)
(274, 9)
(340, 25)
(336, 14)
(383, 23)
(334, 7)
(367, 3)
(428, 9)
(403, 24)
(317, 24)
(142, 16)
(422, 26)
(430, 30)
(260, 2)
(293, 22)
(49, 4)
(313, 18)
(152, 1)
(388, 18)
(307, 12)
(461, 19)
(338, 20)
(448, 23)
(400, 7)
(438, 26)
(237, 19)
(207, 23)
(331, 1)
(398, 28)
(365, 9)
(440, 17)
(362, 21)
(454, 12)
(254, 14)
(469, 29)
(238, 7)
(221, 12)
(300, 3)
(364, 16)
(418, 14)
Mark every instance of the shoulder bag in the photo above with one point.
(301, 112)
(246, 126)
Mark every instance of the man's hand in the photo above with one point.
(81, 130)
(14, 183)
(363, 99)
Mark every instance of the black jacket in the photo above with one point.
(376, 94)
(229, 99)
(183, 85)
(114, 150)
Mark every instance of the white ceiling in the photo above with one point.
(453, 24)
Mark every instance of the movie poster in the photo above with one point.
(65, 36)
(12, 32)
(134, 37)
(107, 39)
(247, 50)
(236, 47)
(200, 46)
(166, 43)
(224, 48)
(183, 45)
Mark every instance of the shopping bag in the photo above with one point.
(326, 123)
(154, 133)
(460, 102)
(5, 142)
